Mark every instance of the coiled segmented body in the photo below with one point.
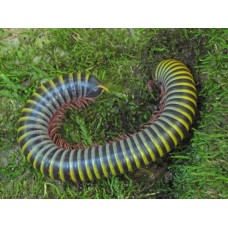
(121, 156)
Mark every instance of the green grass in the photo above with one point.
(124, 59)
(205, 175)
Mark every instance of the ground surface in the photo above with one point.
(124, 59)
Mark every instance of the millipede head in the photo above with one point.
(95, 88)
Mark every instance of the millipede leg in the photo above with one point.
(57, 119)
(157, 113)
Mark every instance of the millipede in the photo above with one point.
(54, 157)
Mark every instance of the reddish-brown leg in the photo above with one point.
(157, 113)
(56, 121)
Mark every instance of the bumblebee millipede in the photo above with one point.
(44, 111)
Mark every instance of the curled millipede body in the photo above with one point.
(39, 120)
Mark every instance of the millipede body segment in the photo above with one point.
(37, 127)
